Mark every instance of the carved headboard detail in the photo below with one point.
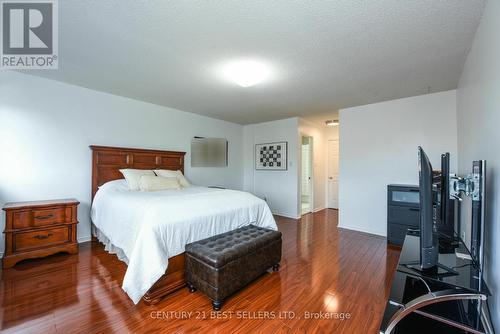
(107, 162)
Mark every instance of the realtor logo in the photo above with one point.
(29, 34)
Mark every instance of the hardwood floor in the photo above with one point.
(324, 269)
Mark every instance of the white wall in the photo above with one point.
(478, 105)
(46, 128)
(282, 189)
(279, 188)
(378, 146)
(320, 158)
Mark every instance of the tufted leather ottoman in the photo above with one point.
(223, 264)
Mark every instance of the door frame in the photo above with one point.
(311, 165)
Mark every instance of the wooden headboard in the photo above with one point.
(107, 162)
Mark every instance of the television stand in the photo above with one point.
(436, 301)
(445, 271)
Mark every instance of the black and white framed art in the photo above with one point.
(271, 156)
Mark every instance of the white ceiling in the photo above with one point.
(327, 54)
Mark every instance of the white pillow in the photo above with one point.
(155, 183)
(133, 175)
(173, 173)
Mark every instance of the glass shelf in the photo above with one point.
(467, 271)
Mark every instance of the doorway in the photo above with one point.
(306, 184)
(333, 174)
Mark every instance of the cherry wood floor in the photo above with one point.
(337, 272)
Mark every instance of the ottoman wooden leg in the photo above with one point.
(276, 267)
(217, 305)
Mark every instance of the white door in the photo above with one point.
(333, 174)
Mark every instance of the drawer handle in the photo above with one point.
(414, 209)
(45, 217)
(41, 237)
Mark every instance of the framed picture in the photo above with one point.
(271, 156)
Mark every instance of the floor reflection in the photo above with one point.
(323, 269)
(35, 288)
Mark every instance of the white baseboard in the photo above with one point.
(377, 233)
(286, 215)
(84, 239)
(319, 209)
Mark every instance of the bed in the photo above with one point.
(148, 230)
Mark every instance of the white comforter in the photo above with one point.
(151, 227)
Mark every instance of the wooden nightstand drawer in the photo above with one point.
(49, 216)
(41, 217)
(42, 238)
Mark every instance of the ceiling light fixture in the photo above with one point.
(332, 122)
(245, 73)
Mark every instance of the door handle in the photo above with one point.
(331, 178)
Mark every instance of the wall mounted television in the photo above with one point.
(209, 152)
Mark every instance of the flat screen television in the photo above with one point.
(429, 248)
(208, 152)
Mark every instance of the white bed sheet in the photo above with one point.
(148, 228)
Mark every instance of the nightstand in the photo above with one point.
(40, 228)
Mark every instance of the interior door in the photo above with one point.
(333, 174)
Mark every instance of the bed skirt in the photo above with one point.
(172, 281)
(108, 245)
